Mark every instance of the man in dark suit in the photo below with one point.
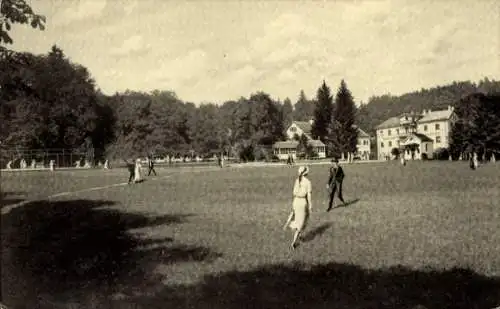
(151, 165)
(335, 183)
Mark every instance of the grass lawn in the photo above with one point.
(425, 234)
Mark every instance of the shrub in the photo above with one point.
(441, 154)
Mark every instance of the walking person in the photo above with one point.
(131, 170)
(151, 166)
(301, 205)
(335, 183)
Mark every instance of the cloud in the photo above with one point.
(83, 9)
(130, 6)
(133, 45)
(177, 71)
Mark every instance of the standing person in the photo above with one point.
(137, 171)
(151, 165)
(335, 182)
(301, 205)
(403, 160)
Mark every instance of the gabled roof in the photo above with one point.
(389, 123)
(362, 133)
(413, 136)
(423, 137)
(305, 126)
(430, 116)
(316, 143)
(436, 116)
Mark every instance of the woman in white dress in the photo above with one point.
(137, 172)
(301, 206)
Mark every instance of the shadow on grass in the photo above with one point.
(59, 248)
(9, 198)
(339, 286)
(318, 231)
(349, 203)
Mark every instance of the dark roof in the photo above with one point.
(286, 144)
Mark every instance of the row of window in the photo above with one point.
(364, 142)
(438, 140)
(437, 127)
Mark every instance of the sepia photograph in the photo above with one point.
(226, 154)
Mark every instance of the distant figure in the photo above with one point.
(335, 182)
(301, 205)
(472, 164)
(492, 159)
(475, 160)
(221, 160)
(137, 171)
(87, 164)
(450, 158)
(33, 164)
(51, 165)
(403, 160)
(77, 164)
(151, 165)
(23, 164)
(106, 165)
(9, 165)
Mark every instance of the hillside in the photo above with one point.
(380, 108)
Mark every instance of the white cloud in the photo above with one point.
(130, 6)
(130, 45)
(176, 71)
(82, 10)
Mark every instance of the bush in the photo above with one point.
(441, 154)
(395, 152)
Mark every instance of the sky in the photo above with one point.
(214, 51)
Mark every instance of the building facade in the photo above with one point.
(299, 128)
(415, 135)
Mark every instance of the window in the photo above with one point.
(389, 132)
(382, 145)
(425, 127)
(438, 139)
(293, 129)
(437, 126)
(390, 144)
(365, 142)
(426, 147)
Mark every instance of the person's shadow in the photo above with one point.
(349, 203)
(318, 231)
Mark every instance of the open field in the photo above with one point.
(425, 234)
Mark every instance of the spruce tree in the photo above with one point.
(343, 135)
(322, 113)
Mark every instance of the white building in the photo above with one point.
(417, 135)
(299, 128)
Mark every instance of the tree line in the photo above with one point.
(47, 101)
